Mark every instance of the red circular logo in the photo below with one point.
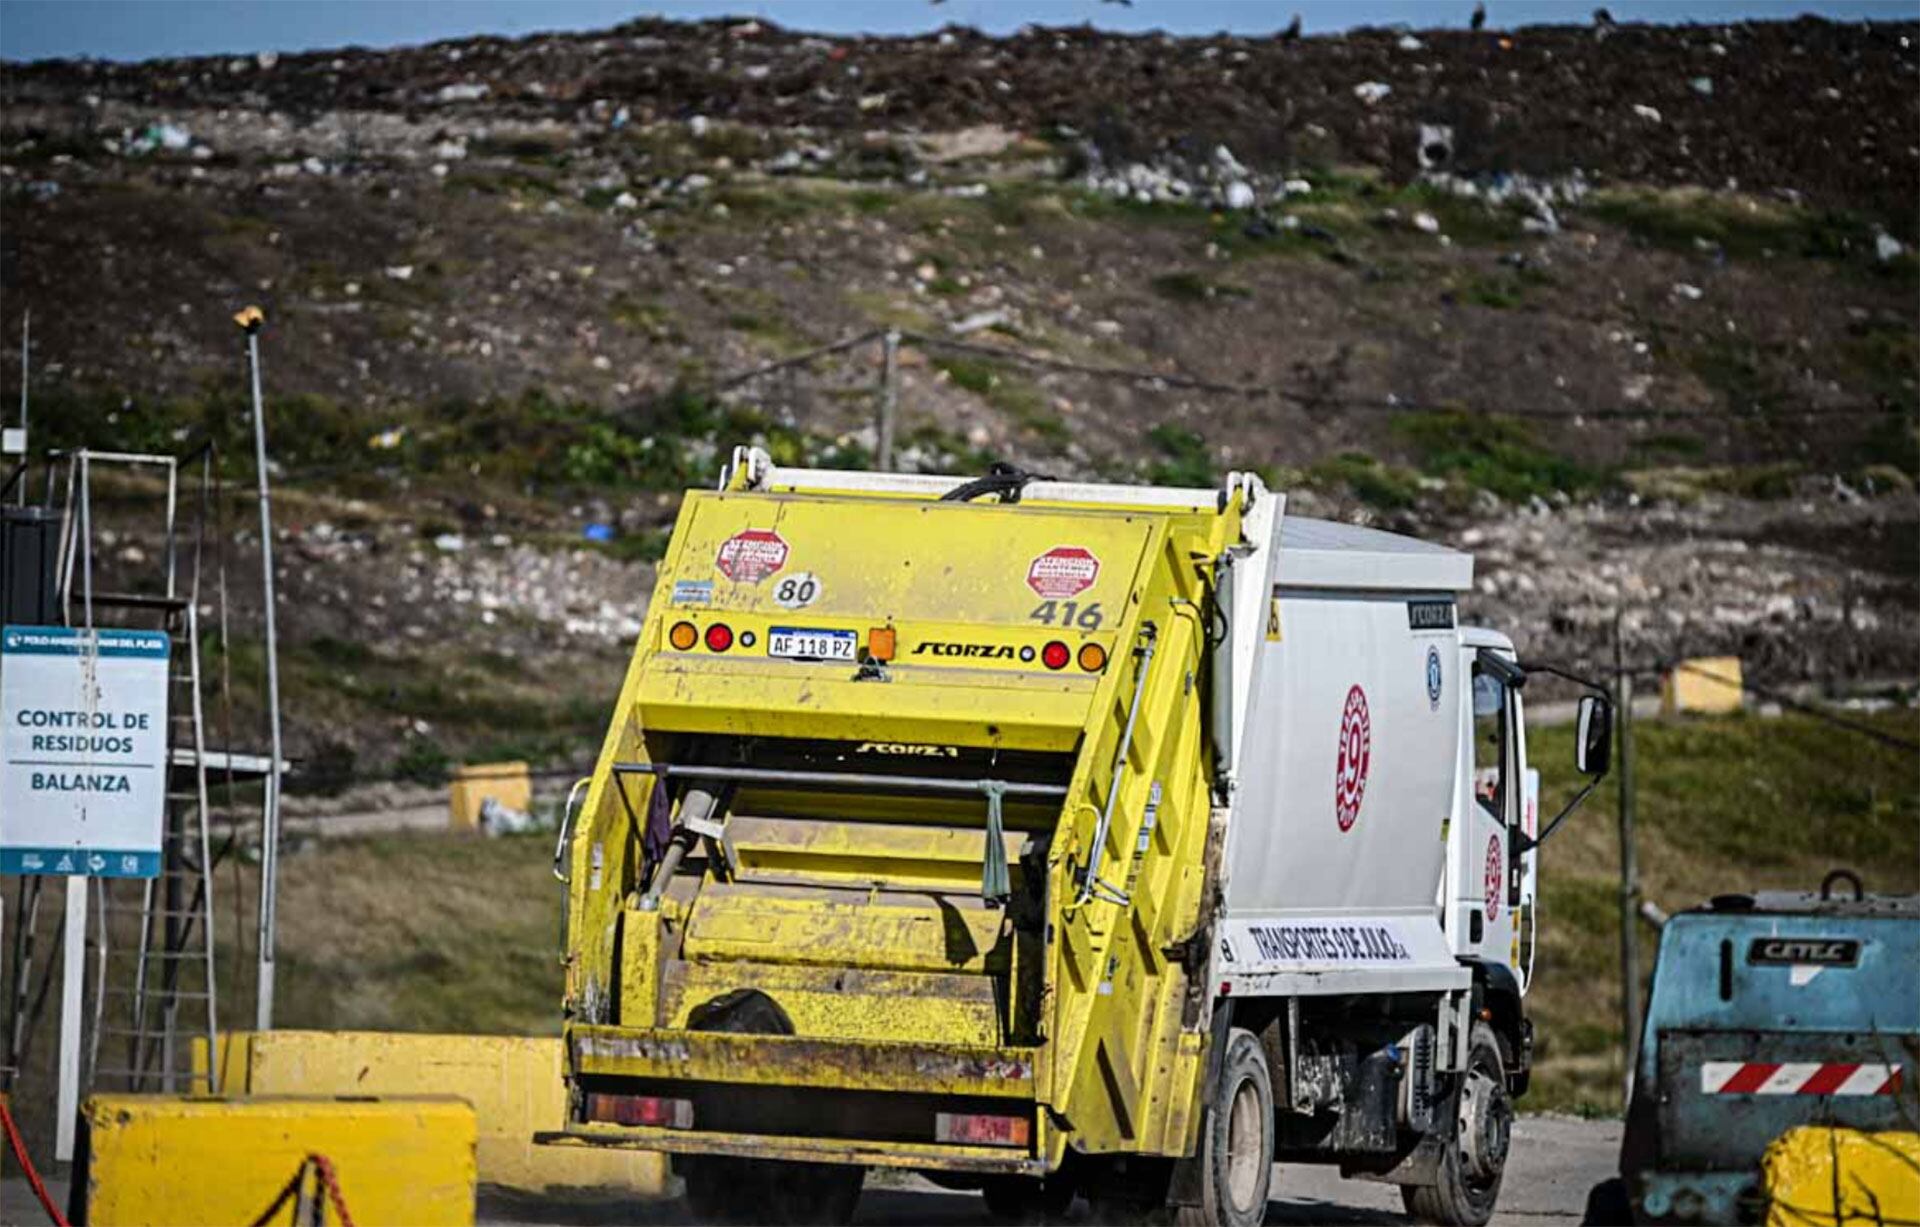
(1496, 875)
(1356, 755)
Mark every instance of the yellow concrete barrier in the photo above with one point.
(169, 1159)
(513, 1082)
(1707, 684)
(1821, 1177)
(508, 783)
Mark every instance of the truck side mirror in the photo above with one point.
(1593, 735)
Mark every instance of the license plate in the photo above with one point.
(793, 643)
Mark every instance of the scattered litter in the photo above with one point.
(44, 190)
(449, 543)
(497, 819)
(980, 321)
(597, 531)
(266, 60)
(1409, 43)
(1426, 223)
(1371, 92)
(168, 136)
(388, 439)
(1296, 187)
(1702, 86)
(1239, 195)
(1647, 113)
(400, 272)
(462, 91)
(1886, 247)
(1692, 293)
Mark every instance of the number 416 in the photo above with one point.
(1069, 614)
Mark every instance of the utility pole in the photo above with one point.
(1629, 869)
(889, 396)
(26, 330)
(250, 321)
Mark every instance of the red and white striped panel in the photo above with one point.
(1798, 1078)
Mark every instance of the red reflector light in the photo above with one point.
(975, 1129)
(719, 637)
(640, 1110)
(1055, 655)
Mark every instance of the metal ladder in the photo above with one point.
(155, 990)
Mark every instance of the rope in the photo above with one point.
(26, 1165)
(322, 1168)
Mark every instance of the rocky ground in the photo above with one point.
(1628, 311)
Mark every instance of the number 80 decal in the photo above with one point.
(798, 590)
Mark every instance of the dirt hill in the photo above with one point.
(1628, 311)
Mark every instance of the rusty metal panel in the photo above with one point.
(786, 1060)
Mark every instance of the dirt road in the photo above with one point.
(1556, 1160)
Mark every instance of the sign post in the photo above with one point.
(83, 781)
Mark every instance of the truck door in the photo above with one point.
(1490, 884)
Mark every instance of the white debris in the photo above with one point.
(1692, 293)
(1436, 147)
(449, 151)
(698, 126)
(388, 439)
(1239, 195)
(400, 272)
(1886, 246)
(1409, 43)
(1371, 92)
(462, 91)
(626, 200)
(266, 60)
(1647, 113)
(981, 320)
(1296, 187)
(1702, 86)
(314, 166)
(1426, 223)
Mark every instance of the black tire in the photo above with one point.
(1022, 1199)
(1608, 1205)
(1474, 1160)
(728, 1190)
(1236, 1140)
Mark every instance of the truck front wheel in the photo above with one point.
(1475, 1157)
(1236, 1145)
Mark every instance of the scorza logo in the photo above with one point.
(988, 651)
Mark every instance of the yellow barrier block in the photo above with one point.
(1707, 684)
(1821, 1177)
(168, 1159)
(514, 1083)
(508, 783)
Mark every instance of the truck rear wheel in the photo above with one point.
(1236, 1143)
(728, 1190)
(1475, 1157)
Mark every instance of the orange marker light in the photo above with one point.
(682, 636)
(1093, 657)
(881, 643)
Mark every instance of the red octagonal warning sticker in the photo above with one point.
(1063, 571)
(750, 556)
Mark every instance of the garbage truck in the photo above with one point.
(1051, 839)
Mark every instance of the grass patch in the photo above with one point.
(1742, 227)
(1377, 484)
(1493, 452)
(1182, 459)
(1192, 287)
(1012, 395)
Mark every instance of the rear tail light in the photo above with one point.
(683, 636)
(1055, 655)
(640, 1110)
(719, 637)
(979, 1129)
(1093, 657)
